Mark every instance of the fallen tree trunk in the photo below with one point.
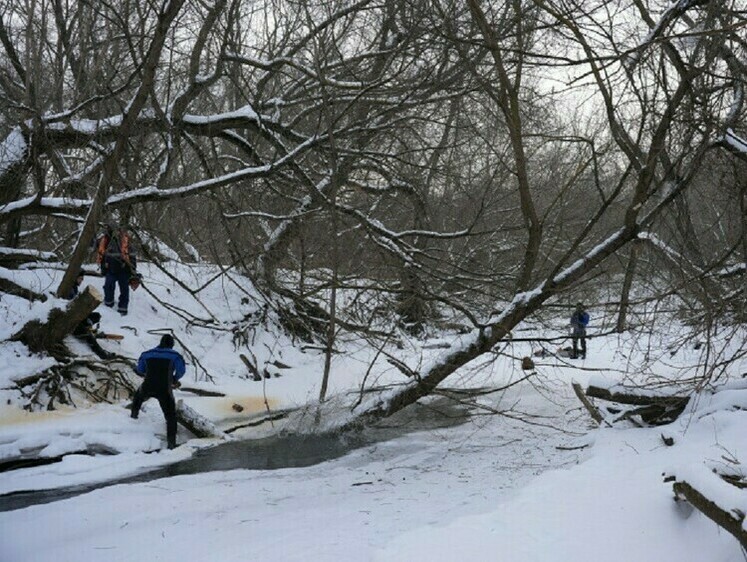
(653, 409)
(731, 521)
(260, 419)
(8, 286)
(13, 257)
(637, 399)
(42, 336)
(251, 367)
(497, 329)
(202, 392)
(198, 424)
(594, 412)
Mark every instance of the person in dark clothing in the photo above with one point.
(86, 331)
(76, 287)
(579, 321)
(117, 266)
(162, 368)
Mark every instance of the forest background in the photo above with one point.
(431, 164)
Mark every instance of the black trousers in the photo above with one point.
(168, 406)
(90, 339)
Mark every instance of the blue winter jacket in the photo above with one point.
(161, 366)
(579, 321)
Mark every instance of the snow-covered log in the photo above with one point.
(198, 424)
(10, 287)
(13, 257)
(482, 340)
(730, 520)
(653, 409)
(594, 412)
(637, 398)
(41, 336)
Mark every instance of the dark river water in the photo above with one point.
(284, 451)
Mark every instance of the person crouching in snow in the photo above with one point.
(162, 368)
(87, 329)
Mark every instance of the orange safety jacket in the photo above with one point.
(124, 248)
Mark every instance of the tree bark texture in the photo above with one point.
(42, 336)
(622, 317)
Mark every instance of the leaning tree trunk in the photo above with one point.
(42, 336)
(622, 317)
(87, 234)
(111, 171)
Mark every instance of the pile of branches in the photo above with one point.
(94, 379)
(71, 375)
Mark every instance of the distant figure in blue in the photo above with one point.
(579, 321)
(162, 368)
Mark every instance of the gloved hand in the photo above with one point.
(176, 384)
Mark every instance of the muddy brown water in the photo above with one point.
(283, 451)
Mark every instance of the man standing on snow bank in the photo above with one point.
(117, 266)
(579, 321)
(162, 368)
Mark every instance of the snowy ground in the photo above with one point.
(493, 488)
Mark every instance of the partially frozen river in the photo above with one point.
(270, 453)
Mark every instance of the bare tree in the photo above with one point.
(479, 160)
(649, 117)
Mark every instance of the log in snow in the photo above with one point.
(593, 410)
(728, 520)
(42, 336)
(197, 423)
(635, 399)
(12, 288)
(652, 408)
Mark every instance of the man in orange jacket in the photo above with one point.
(116, 266)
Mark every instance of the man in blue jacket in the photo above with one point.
(162, 368)
(579, 321)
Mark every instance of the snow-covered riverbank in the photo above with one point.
(525, 478)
